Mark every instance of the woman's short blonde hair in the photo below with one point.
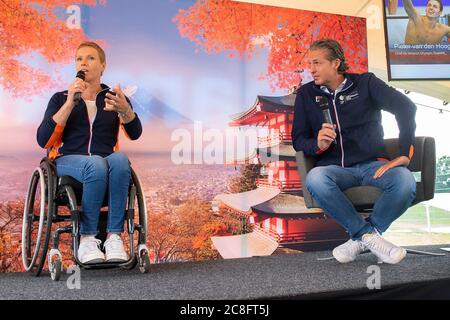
(101, 52)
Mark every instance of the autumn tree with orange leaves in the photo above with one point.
(184, 234)
(240, 29)
(10, 223)
(29, 27)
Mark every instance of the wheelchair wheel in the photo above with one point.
(56, 269)
(37, 218)
(142, 255)
(142, 207)
(144, 263)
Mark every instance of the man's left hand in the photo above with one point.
(399, 161)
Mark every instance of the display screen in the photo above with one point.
(417, 39)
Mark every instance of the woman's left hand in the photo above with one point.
(399, 161)
(118, 102)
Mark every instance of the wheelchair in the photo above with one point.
(47, 194)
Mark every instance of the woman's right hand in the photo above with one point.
(77, 85)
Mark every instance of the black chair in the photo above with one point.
(364, 197)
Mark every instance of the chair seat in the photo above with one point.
(362, 197)
(423, 163)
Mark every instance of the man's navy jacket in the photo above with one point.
(356, 112)
(79, 135)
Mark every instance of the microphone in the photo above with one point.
(323, 104)
(77, 95)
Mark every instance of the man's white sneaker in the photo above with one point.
(385, 251)
(348, 251)
(89, 251)
(115, 252)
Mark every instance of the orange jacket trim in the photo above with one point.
(57, 133)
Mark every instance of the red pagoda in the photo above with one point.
(276, 208)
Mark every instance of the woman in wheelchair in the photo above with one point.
(83, 140)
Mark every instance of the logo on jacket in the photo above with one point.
(319, 99)
(349, 97)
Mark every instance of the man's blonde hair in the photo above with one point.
(334, 51)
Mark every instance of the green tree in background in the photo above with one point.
(246, 181)
(443, 175)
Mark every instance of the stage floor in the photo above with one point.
(280, 276)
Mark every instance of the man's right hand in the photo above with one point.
(77, 85)
(326, 136)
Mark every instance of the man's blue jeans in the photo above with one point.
(326, 185)
(96, 173)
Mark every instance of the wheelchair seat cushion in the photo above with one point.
(77, 187)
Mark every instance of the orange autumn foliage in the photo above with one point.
(10, 236)
(202, 242)
(29, 27)
(240, 29)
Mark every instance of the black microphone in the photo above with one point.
(323, 104)
(77, 96)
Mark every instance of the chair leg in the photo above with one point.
(424, 253)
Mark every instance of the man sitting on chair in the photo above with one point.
(351, 152)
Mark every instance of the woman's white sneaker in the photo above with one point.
(115, 251)
(89, 251)
(385, 251)
(347, 252)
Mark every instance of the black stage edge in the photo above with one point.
(280, 276)
(426, 290)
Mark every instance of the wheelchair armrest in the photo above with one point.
(50, 163)
(304, 165)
